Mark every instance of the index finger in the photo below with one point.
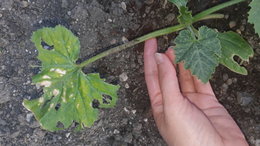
(151, 75)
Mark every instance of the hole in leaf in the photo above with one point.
(60, 125)
(106, 99)
(57, 106)
(47, 102)
(95, 103)
(238, 60)
(46, 46)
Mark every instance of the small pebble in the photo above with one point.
(24, 4)
(1, 15)
(29, 117)
(124, 39)
(226, 16)
(113, 41)
(238, 31)
(116, 131)
(64, 3)
(126, 110)
(170, 17)
(242, 28)
(244, 98)
(224, 87)
(123, 77)
(229, 81)
(127, 86)
(232, 24)
(225, 77)
(67, 135)
(123, 5)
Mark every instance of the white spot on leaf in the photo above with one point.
(55, 92)
(63, 99)
(60, 71)
(52, 105)
(46, 77)
(41, 100)
(45, 83)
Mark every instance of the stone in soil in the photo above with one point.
(244, 98)
(232, 24)
(123, 77)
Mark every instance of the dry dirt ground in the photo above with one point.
(100, 24)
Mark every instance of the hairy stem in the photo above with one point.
(207, 14)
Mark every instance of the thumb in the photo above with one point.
(168, 80)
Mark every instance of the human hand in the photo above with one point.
(186, 111)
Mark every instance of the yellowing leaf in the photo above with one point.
(199, 54)
(69, 94)
(234, 45)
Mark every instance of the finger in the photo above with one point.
(202, 87)
(186, 80)
(168, 81)
(170, 54)
(151, 77)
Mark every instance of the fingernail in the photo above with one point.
(158, 58)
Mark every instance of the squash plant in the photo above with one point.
(69, 94)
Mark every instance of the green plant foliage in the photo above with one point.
(234, 45)
(199, 54)
(68, 92)
(179, 3)
(185, 16)
(254, 15)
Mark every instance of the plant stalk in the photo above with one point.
(212, 16)
(207, 14)
(215, 8)
(133, 42)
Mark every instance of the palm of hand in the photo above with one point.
(189, 114)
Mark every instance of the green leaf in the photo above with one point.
(254, 14)
(179, 3)
(185, 16)
(68, 93)
(199, 54)
(234, 45)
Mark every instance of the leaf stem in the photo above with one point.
(207, 14)
(212, 16)
(133, 42)
(214, 9)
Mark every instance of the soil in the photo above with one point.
(100, 24)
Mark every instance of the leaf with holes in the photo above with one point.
(179, 3)
(68, 93)
(234, 45)
(254, 14)
(199, 54)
